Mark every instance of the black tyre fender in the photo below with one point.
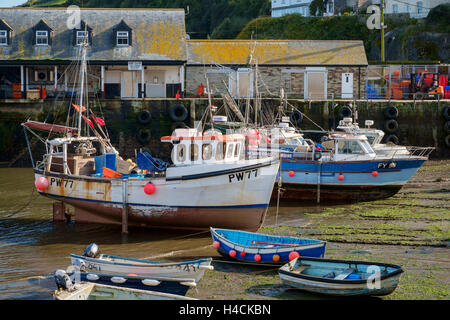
(296, 117)
(345, 112)
(447, 141)
(144, 117)
(390, 112)
(317, 155)
(391, 126)
(143, 136)
(392, 138)
(446, 113)
(178, 112)
(447, 127)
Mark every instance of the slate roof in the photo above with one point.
(277, 52)
(158, 34)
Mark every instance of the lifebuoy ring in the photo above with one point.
(144, 117)
(447, 141)
(391, 126)
(390, 112)
(392, 138)
(143, 136)
(345, 112)
(446, 113)
(447, 127)
(178, 112)
(296, 117)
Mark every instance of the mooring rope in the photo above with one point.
(26, 205)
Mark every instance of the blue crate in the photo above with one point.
(108, 160)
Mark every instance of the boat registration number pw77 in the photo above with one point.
(239, 176)
(59, 182)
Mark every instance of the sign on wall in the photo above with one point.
(134, 65)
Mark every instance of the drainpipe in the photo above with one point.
(22, 88)
(102, 85)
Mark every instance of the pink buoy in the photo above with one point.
(374, 173)
(216, 244)
(291, 173)
(149, 188)
(257, 258)
(232, 253)
(243, 253)
(340, 177)
(41, 183)
(293, 255)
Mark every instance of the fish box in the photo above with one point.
(33, 94)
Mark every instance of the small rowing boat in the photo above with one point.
(341, 277)
(264, 248)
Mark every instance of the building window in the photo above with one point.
(395, 8)
(122, 38)
(3, 38)
(82, 36)
(41, 38)
(419, 7)
(407, 8)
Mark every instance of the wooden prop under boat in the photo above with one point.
(264, 248)
(341, 277)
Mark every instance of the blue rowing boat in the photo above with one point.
(341, 277)
(264, 248)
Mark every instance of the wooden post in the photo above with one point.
(125, 206)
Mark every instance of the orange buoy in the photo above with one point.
(374, 174)
(341, 177)
(216, 244)
(41, 183)
(276, 258)
(293, 255)
(257, 258)
(232, 253)
(243, 253)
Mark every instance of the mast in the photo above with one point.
(83, 68)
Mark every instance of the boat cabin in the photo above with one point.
(345, 147)
(374, 136)
(191, 147)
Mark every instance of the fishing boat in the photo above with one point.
(141, 274)
(264, 248)
(209, 182)
(95, 291)
(341, 277)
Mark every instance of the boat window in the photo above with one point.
(230, 150)
(237, 149)
(366, 147)
(349, 147)
(371, 139)
(194, 152)
(220, 151)
(207, 151)
(181, 153)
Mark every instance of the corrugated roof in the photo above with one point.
(158, 34)
(277, 52)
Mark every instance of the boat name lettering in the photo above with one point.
(93, 266)
(387, 165)
(239, 176)
(58, 182)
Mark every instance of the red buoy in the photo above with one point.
(291, 173)
(41, 183)
(293, 255)
(341, 177)
(243, 253)
(149, 188)
(216, 244)
(232, 253)
(257, 258)
(374, 173)
(276, 258)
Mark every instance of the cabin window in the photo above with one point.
(122, 38)
(207, 151)
(230, 149)
(41, 38)
(181, 153)
(237, 149)
(220, 151)
(82, 36)
(3, 38)
(349, 147)
(194, 152)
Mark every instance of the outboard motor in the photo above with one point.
(63, 281)
(91, 251)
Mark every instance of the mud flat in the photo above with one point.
(411, 229)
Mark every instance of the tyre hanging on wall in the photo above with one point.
(178, 112)
(446, 113)
(390, 112)
(345, 112)
(392, 138)
(144, 117)
(296, 117)
(143, 136)
(391, 126)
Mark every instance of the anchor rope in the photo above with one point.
(26, 205)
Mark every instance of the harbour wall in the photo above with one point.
(420, 123)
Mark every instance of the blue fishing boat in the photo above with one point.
(341, 277)
(264, 248)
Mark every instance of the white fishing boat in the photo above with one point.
(209, 183)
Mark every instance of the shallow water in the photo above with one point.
(32, 247)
